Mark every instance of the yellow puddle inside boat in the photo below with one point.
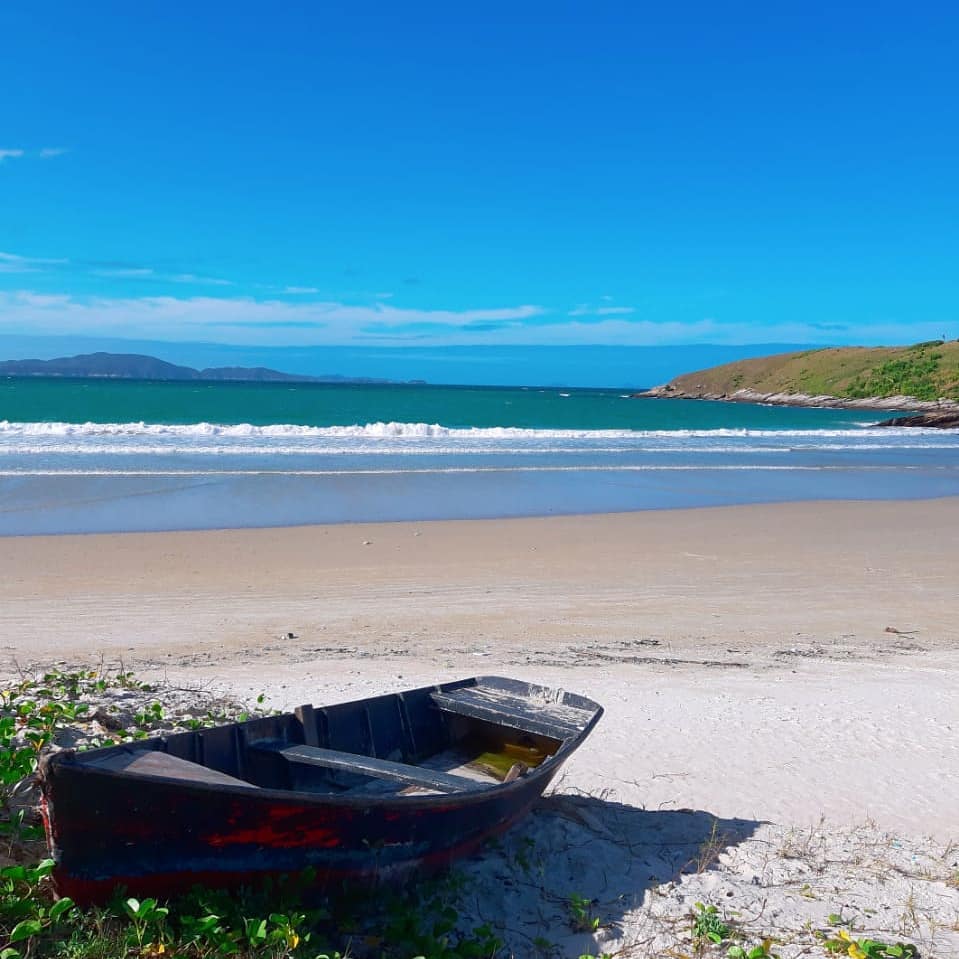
(500, 761)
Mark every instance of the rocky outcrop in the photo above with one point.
(907, 403)
(940, 420)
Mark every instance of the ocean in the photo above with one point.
(113, 455)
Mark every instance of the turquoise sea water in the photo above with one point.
(320, 404)
(87, 455)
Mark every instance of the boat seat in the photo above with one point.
(553, 720)
(160, 765)
(375, 768)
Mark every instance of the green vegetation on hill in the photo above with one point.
(927, 371)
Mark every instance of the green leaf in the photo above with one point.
(26, 929)
(9, 954)
(255, 931)
(60, 907)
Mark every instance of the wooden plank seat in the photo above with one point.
(154, 764)
(376, 768)
(552, 720)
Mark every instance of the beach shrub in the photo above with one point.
(912, 374)
(709, 925)
(761, 951)
(30, 713)
(581, 918)
(843, 943)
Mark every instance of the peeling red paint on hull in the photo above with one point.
(173, 844)
(87, 891)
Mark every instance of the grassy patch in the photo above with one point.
(276, 920)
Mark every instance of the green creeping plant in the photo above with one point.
(708, 924)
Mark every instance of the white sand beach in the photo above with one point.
(786, 672)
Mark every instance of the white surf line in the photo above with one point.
(851, 468)
(418, 431)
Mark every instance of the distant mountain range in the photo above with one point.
(133, 366)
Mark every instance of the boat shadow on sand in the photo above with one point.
(579, 858)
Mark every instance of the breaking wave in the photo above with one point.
(421, 431)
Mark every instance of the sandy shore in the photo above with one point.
(746, 640)
(701, 580)
(762, 664)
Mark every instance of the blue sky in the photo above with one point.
(385, 175)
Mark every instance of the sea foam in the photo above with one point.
(393, 430)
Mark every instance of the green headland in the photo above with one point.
(927, 373)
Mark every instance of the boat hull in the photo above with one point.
(163, 840)
(235, 804)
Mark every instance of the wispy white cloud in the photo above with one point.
(616, 331)
(44, 153)
(125, 272)
(249, 321)
(148, 273)
(14, 263)
(199, 280)
(585, 309)
(11, 263)
(232, 319)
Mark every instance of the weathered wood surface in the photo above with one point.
(555, 720)
(152, 764)
(380, 769)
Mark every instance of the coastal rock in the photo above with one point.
(905, 403)
(939, 419)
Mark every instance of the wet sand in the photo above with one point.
(699, 580)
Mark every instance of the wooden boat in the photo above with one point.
(370, 790)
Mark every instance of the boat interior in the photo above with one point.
(454, 738)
